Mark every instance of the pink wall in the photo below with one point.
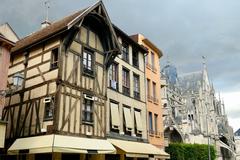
(4, 64)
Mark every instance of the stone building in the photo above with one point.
(195, 113)
(237, 144)
(154, 106)
(126, 107)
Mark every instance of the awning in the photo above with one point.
(138, 149)
(61, 143)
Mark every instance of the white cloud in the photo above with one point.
(232, 106)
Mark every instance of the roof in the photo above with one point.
(46, 32)
(129, 39)
(7, 31)
(6, 41)
(140, 37)
(190, 81)
(237, 133)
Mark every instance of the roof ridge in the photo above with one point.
(42, 33)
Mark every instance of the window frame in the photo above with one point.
(126, 87)
(149, 89)
(125, 52)
(85, 111)
(152, 60)
(85, 69)
(136, 85)
(150, 123)
(138, 123)
(135, 58)
(113, 75)
(154, 91)
(54, 59)
(156, 123)
(115, 126)
(49, 106)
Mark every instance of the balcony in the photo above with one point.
(149, 97)
(126, 91)
(154, 69)
(136, 95)
(155, 100)
(151, 133)
(149, 66)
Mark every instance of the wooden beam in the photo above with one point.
(69, 114)
(41, 74)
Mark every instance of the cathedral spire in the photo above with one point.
(204, 63)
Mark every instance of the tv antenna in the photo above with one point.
(47, 6)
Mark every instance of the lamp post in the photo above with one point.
(17, 82)
(209, 150)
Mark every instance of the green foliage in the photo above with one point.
(182, 151)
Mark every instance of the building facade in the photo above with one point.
(154, 105)
(127, 125)
(198, 116)
(82, 94)
(237, 143)
(8, 38)
(61, 104)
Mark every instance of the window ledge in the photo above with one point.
(88, 75)
(48, 119)
(87, 123)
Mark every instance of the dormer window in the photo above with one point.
(88, 62)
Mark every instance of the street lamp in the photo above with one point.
(18, 79)
(209, 150)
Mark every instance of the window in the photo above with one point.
(125, 82)
(49, 106)
(154, 92)
(88, 62)
(138, 122)
(136, 86)
(146, 59)
(87, 110)
(128, 123)
(113, 76)
(115, 117)
(135, 59)
(54, 59)
(150, 122)
(148, 89)
(125, 53)
(156, 123)
(153, 60)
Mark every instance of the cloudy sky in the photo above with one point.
(185, 30)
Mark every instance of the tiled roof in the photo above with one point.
(45, 32)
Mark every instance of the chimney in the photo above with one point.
(45, 23)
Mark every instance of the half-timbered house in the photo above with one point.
(60, 108)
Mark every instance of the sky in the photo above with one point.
(185, 30)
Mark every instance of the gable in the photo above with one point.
(8, 34)
(95, 13)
